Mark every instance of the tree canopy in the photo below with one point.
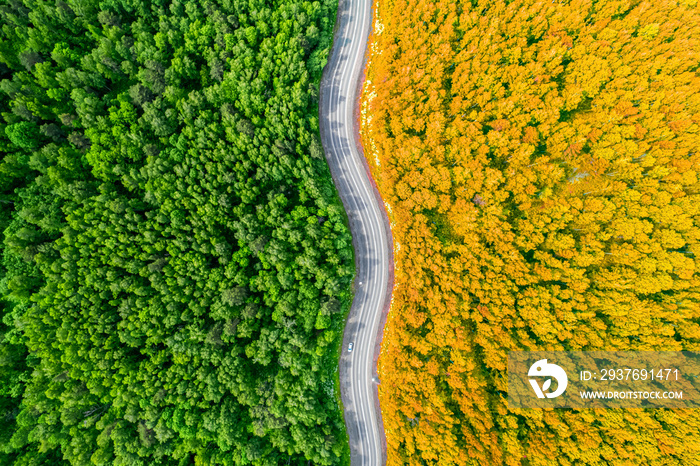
(175, 259)
(540, 160)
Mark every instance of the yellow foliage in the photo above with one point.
(540, 160)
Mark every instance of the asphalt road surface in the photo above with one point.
(371, 240)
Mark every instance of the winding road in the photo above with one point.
(340, 88)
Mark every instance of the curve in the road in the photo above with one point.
(369, 227)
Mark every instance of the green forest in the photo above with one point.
(176, 264)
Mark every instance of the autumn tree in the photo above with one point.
(540, 161)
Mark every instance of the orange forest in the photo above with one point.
(540, 161)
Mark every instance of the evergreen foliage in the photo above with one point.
(170, 294)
